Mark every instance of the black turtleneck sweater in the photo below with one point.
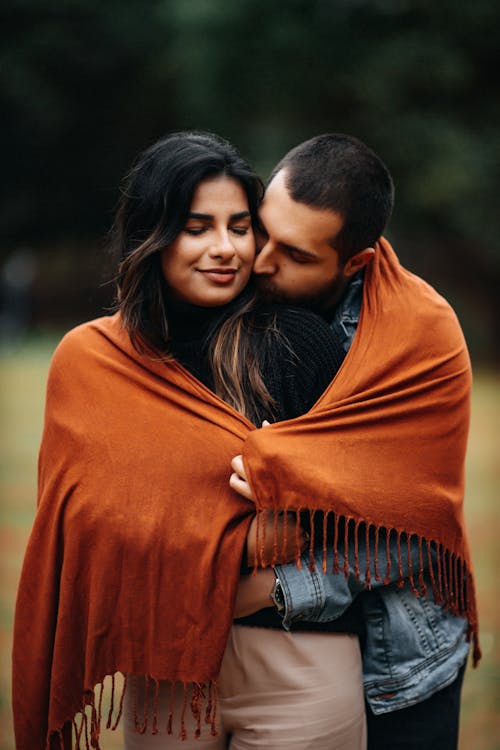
(296, 369)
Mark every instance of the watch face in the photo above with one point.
(277, 596)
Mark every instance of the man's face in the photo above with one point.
(297, 263)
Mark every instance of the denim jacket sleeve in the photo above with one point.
(413, 646)
(315, 596)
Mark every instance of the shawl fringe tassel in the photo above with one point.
(451, 585)
(84, 731)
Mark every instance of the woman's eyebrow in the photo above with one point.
(209, 217)
(195, 215)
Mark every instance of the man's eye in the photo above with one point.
(298, 257)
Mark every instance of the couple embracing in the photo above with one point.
(317, 594)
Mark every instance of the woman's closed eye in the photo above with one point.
(240, 231)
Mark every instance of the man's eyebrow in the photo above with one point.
(210, 217)
(290, 248)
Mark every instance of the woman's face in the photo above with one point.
(210, 261)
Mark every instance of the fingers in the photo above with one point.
(237, 466)
(238, 480)
(240, 485)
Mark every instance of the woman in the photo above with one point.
(135, 555)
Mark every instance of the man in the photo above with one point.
(324, 211)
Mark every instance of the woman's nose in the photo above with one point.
(222, 247)
(265, 262)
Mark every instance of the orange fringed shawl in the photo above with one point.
(384, 447)
(133, 561)
(135, 554)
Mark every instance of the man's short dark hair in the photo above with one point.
(339, 173)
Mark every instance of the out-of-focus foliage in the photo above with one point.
(86, 84)
(80, 81)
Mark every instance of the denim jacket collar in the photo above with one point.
(346, 316)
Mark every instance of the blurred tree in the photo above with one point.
(81, 91)
(87, 84)
(415, 80)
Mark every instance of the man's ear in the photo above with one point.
(358, 261)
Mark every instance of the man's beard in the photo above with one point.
(320, 302)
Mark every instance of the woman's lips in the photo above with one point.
(220, 275)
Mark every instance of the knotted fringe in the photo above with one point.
(201, 698)
(445, 572)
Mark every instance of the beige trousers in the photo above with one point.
(277, 691)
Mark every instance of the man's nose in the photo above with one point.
(265, 262)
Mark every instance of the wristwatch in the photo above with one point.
(276, 596)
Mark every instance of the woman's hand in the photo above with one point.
(238, 479)
(278, 537)
(253, 593)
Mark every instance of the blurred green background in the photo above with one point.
(85, 85)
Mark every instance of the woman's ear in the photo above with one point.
(358, 261)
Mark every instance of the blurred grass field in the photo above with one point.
(22, 384)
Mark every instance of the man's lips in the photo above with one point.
(219, 275)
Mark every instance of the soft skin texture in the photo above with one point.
(210, 261)
(297, 262)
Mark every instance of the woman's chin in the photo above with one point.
(216, 297)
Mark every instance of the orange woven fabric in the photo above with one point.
(385, 444)
(134, 558)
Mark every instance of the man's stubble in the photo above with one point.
(321, 301)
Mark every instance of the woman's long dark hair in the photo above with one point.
(153, 209)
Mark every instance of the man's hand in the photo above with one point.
(253, 593)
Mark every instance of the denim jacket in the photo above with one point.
(413, 647)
